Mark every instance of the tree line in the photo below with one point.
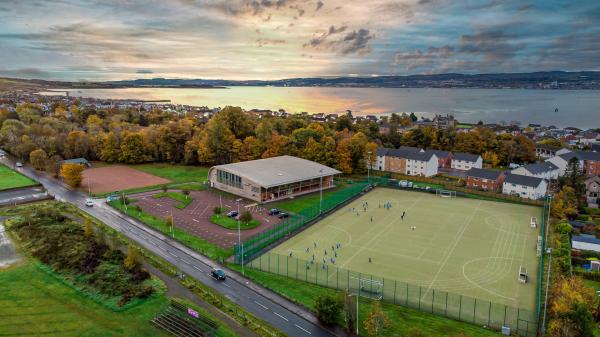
(136, 136)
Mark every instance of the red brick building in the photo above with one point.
(487, 180)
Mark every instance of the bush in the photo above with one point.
(329, 309)
(217, 210)
(246, 217)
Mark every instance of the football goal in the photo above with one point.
(523, 274)
(366, 287)
(445, 193)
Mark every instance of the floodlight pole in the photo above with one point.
(549, 251)
(369, 168)
(240, 235)
(321, 192)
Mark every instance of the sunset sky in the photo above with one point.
(273, 39)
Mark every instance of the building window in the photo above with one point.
(228, 178)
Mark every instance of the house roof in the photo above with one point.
(542, 167)
(484, 174)
(440, 153)
(465, 156)
(406, 152)
(518, 179)
(586, 239)
(581, 155)
(410, 148)
(576, 224)
(277, 171)
(81, 161)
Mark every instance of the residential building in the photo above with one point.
(466, 161)
(545, 170)
(443, 122)
(444, 157)
(524, 186)
(271, 179)
(545, 151)
(585, 242)
(592, 191)
(407, 160)
(589, 161)
(487, 180)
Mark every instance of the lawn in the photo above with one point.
(10, 178)
(39, 304)
(175, 173)
(402, 319)
(231, 223)
(181, 235)
(300, 203)
(184, 200)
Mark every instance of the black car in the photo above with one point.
(283, 215)
(274, 211)
(218, 274)
(232, 214)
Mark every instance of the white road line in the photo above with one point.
(186, 262)
(280, 316)
(196, 220)
(173, 255)
(197, 268)
(301, 328)
(227, 285)
(262, 305)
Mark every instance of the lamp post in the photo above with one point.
(369, 167)
(321, 192)
(172, 225)
(240, 235)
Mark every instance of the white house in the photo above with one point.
(466, 161)
(421, 164)
(524, 186)
(585, 242)
(545, 170)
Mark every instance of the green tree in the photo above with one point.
(132, 149)
(38, 159)
(574, 176)
(110, 148)
(132, 260)
(328, 308)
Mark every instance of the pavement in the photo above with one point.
(282, 314)
(22, 195)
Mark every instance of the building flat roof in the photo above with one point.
(277, 171)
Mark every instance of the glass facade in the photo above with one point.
(230, 179)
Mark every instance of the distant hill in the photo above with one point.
(534, 80)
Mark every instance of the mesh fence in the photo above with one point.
(255, 244)
(522, 322)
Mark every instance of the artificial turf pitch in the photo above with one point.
(462, 246)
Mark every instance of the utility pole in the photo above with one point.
(369, 167)
(240, 235)
(172, 225)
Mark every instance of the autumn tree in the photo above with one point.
(344, 156)
(490, 158)
(132, 149)
(53, 165)
(38, 159)
(77, 145)
(376, 321)
(88, 227)
(72, 174)
(564, 204)
(110, 148)
(349, 310)
(571, 308)
(132, 260)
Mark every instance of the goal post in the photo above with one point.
(366, 287)
(445, 193)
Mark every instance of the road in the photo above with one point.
(22, 195)
(277, 311)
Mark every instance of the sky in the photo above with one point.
(274, 39)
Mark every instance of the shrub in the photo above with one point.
(217, 210)
(329, 309)
(246, 217)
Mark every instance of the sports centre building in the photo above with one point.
(271, 179)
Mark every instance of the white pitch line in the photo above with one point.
(301, 328)
(280, 316)
(262, 305)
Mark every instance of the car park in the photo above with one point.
(218, 274)
(274, 211)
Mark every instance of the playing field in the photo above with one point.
(13, 179)
(458, 245)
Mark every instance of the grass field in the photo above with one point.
(38, 304)
(13, 179)
(175, 173)
(462, 246)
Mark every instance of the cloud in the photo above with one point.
(419, 58)
(319, 5)
(264, 42)
(493, 46)
(144, 71)
(352, 42)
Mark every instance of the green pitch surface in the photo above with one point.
(462, 246)
(13, 179)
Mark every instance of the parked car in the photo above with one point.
(274, 211)
(283, 215)
(19, 164)
(89, 203)
(232, 214)
(218, 274)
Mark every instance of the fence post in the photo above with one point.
(327, 275)
(297, 268)
(474, 307)
(406, 295)
(459, 306)
(432, 300)
(287, 267)
(504, 324)
(419, 298)
(269, 261)
(348, 279)
(446, 310)
(490, 314)
(337, 278)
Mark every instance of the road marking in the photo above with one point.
(262, 305)
(301, 328)
(173, 254)
(186, 262)
(227, 285)
(197, 268)
(196, 220)
(281, 316)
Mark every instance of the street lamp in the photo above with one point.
(240, 235)
(369, 167)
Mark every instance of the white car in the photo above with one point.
(89, 203)
(19, 164)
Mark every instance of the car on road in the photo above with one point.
(218, 274)
(274, 211)
(232, 214)
(89, 203)
(283, 215)
(19, 164)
